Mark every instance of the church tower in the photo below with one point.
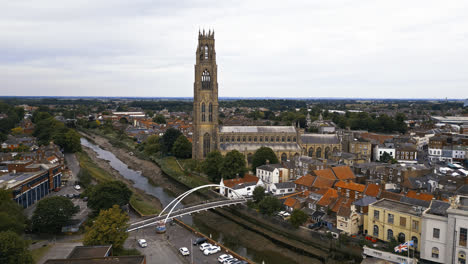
(205, 97)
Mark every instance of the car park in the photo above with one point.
(199, 241)
(223, 257)
(142, 243)
(184, 251)
(205, 246)
(212, 250)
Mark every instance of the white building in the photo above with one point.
(271, 174)
(283, 188)
(445, 230)
(380, 150)
(241, 186)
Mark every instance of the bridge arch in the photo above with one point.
(179, 198)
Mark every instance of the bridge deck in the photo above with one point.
(183, 211)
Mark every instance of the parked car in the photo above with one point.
(199, 241)
(77, 187)
(142, 243)
(223, 257)
(85, 199)
(205, 246)
(230, 261)
(212, 250)
(184, 251)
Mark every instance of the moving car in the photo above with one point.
(184, 251)
(223, 257)
(212, 250)
(199, 241)
(142, 243)
(205, 246)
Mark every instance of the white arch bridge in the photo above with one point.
(162, 218)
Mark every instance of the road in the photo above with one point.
(163, 248)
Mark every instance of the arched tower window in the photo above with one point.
(210, 110)
(206, 144)
(203, 112)
(206, 52)
(206, 80)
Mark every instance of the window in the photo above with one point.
(390, 218)
(436, 233)
(266, 139)
(255, 139)
(390, 235)
(206, 80)
(250, 139)
(435, 252)
(401, 238)
(238, 139)
(402, 221)
(243, 139)
(203, 112)
(376, 231)
(282, 139)
(210, 111)
(347, 192)
(415, 225)
(261, 139)
(462, 241)
(376, 214)
(221, 139)
(289, 139)
(415, 241)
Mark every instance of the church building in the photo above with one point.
(285, 141)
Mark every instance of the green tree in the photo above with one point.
(269, 205)
(110, 227)
(69, 141)
(261, 156)
(298, 218)
(105, 195)
(168, 139)
(212, 166)
(52, 213)
(233, 164)
(160, 119)
(11, 214)
(84, 176)
(258, 194)
(14, 249)
(182, 148)
(152, 145)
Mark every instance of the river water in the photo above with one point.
(211, 226)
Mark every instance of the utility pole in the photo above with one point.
(191, 251)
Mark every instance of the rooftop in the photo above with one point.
(270, 167)
(90, 251)
(100, 260)
(255, 146)
(306, 180)
(343, 173)
(257, 129)
(397, 206)
(320, 139)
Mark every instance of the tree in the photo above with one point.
(212, 166)
(258, 194)
(182, 148)
(152, 145)
(233, 164)
(11, 214)
(14, 249)
(110, 227)
(261, 156)
(168, 139)
(269, 205)
(69, 141)
(52, 213)
(160, 119)
(105, 195)
(298, 218)
(17, 131)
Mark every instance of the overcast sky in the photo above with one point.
(326, 48)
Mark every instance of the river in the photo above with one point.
(230, 234)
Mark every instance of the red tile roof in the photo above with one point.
(351, 186)
(306, 180)
(321, 183)
(420, 196)
(325, 173)
(247, 178)
(390, 195)
(344, 173)
(372, 190)
(290, 202)
(330, 196)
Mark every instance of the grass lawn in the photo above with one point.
(99, 174)
(169, 166)
(142, 206)
(39, 252)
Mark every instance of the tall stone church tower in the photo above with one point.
(205, 97)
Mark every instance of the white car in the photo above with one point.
(231, 260)
(142, 243)
(212, 250)
(223, 257)
(77, 187)
(286, 214)
(205, 246)
(184, 251)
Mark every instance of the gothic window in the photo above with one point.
(318, 153)
(272, 139)
(289, 139)
(261, 139)
(206, 80)
(376, 231)
(277, 139)
(203, 112)
(266, 139)
(210, 111)
(238, 139)
(250, 139)
(206, 144)
(327, 152)
(294, 139)
(206, 52)
(255, 139)
(221, 139)
(243, 139)
(282, 139)
(311, 152)
(233, 139)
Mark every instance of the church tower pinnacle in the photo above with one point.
(205, 97)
